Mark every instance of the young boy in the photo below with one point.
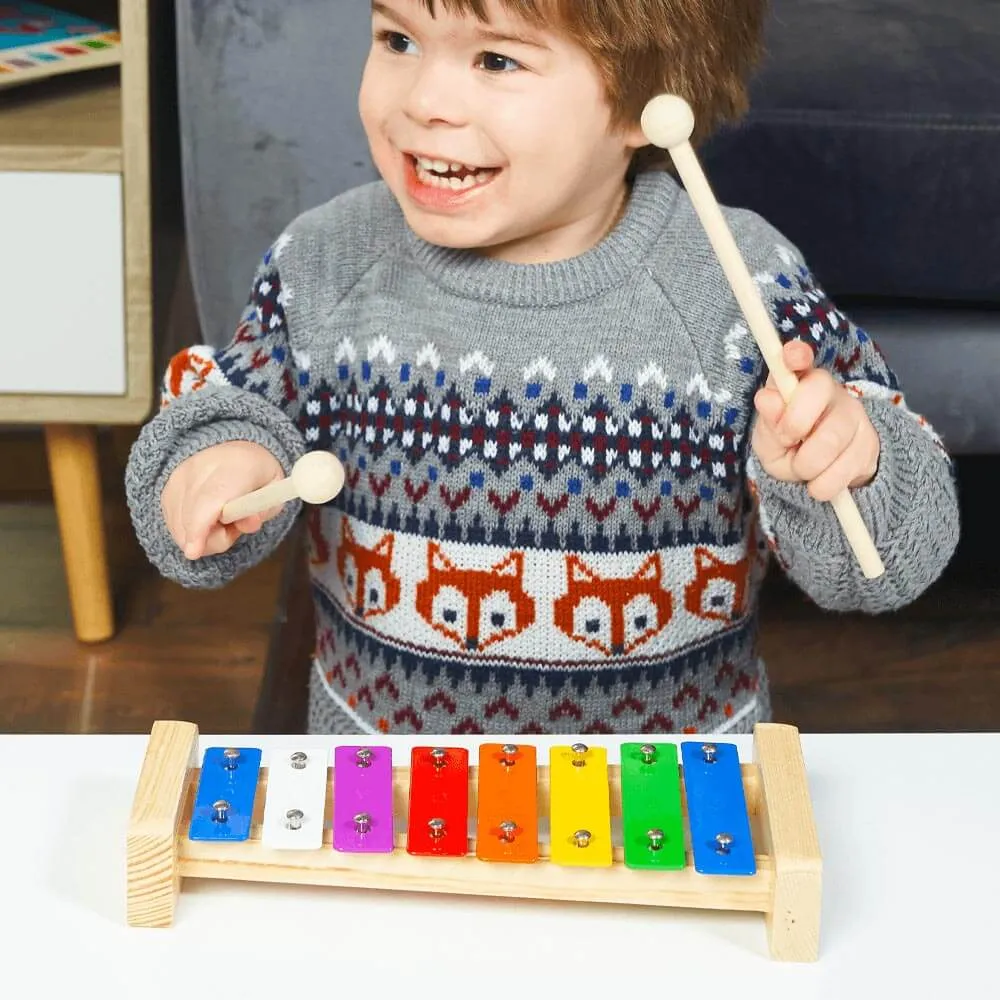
(565, 464)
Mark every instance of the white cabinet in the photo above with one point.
(76, 274)
(62, 301)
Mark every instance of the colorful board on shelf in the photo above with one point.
(38, 41)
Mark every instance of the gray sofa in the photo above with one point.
(872, 143)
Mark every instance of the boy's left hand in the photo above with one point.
(822, 438)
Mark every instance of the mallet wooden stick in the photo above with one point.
(668, 122)
(317, 477)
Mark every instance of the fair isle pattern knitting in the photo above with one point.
(544, 528)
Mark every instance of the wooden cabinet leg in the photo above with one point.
(76, 486)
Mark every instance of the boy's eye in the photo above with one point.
(395, 41)
(493, 62)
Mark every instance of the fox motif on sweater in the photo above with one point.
(614, 615)
(475, 608)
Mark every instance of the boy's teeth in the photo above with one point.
(443, 167)
(437, 166)
(432, 173)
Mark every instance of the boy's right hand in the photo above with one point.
(203, 484)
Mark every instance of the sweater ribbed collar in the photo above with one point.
(615, 259)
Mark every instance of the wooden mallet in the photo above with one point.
(668, 122)
(317, 477)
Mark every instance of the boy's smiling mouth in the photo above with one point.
(440, 182)
(441, 173)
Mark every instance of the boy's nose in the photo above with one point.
(435, 98)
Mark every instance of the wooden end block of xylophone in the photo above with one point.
(152, 867)
(792, 842)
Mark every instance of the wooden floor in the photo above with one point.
(202, 655)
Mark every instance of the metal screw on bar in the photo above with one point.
(507, 829)
(436, 828)
(579, 749)
(508, 750)
(362, 823)
(708, 751)
(723, 842)
(363, 757)
(299, 760)
(648, 752)
(655, 839)
(293, 819)
(438, 755)
(229, 758)
(220, 811)
(582, 838)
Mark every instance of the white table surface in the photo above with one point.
(908, 826)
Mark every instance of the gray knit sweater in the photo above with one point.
(552, 520)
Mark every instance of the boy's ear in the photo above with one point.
(634, 137)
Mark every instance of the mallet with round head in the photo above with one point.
(317, 477)
(668, 121)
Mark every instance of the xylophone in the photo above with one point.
(673, 824)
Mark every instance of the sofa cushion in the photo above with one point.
(873, 143)
(268, 105)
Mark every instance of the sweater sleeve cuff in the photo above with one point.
(210, 416)
(793, 520)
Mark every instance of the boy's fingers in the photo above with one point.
(202, 532)
(838, 474)
(217, 537)
(254, 522)
(798, 357)
(195, 543)
(220, 539)
(812, 399)
(248, 525)
(768, 447)
(199, 515)
(770, 406)
(765, 439)
(832, 436)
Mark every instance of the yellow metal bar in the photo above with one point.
(580, 806)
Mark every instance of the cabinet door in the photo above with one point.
(62, 314)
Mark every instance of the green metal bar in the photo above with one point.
(652, 816)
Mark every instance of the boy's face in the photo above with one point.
(520, 112)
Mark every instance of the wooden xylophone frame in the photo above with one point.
(787, 887)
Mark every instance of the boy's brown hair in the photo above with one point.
(703, 50)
